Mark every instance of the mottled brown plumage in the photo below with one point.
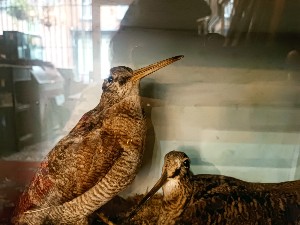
(96, 160)
(217, 199)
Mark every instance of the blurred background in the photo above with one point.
(232, 103)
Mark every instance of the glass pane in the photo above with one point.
(231, 104)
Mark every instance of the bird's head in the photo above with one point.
(176, 165)
(124, 82)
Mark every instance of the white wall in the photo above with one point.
(238, 122)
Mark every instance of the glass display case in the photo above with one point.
(232, 104)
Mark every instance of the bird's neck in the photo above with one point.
(131, 102)
(177, 195)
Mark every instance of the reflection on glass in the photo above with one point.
(232, 103)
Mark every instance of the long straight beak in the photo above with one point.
(140, 73)
(162, 180)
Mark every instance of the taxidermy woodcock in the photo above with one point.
(217, 199)
(98, 159)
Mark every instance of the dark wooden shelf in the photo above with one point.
(17, 112)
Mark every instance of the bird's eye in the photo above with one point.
(123, 80)
(110, 79)
(186, 164)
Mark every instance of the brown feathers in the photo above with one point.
(96, 160)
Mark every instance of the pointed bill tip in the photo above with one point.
(140, 73)
(178, 57)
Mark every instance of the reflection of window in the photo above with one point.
(114, 13)
(110, 19)
(221, 16)
(64, 27)
(85, 57)
(86, 10)
(228, 9)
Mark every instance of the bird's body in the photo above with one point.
(96, 160)
(226, 200)
(222, 200)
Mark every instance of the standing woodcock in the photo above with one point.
(98, 158)
(216, 199)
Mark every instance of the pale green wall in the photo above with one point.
(237, 122)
